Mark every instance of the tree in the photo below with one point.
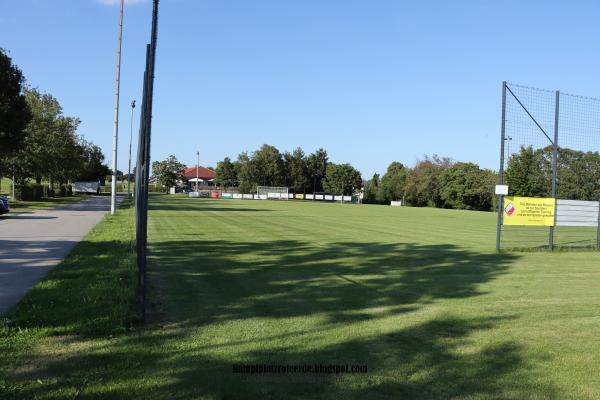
(92, 167)
(371, 191)
(317, 168)
(528, 173)
(422, 183)
(268, 166)
(393, 182)
(166, 172)
(245, 173)
(585, 174)
(51, 148)
(14, 110)
(466, 186)
(296, 170)
(226, 174)
(342, 178)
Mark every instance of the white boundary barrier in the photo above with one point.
(268, 196)
(577, 213)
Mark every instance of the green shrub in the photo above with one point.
(65, 190)
(31, 192)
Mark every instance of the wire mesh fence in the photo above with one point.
(549, 149)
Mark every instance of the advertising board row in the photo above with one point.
(280, 196)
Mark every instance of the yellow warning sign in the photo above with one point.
(528, 211)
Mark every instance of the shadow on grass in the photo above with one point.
(293, 278)
(232, 302)
(423, 361)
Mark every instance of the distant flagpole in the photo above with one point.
(113, 189)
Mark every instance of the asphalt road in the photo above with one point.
(31, 243)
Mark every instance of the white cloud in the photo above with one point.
(115, 2)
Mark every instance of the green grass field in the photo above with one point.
(416, 295)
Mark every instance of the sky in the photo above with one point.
(370, 81)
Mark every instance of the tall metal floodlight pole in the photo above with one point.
(508, 140)
(113, 189)
(197, 170)
(130, 139)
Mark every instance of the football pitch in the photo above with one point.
(415, 297)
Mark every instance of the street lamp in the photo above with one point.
(197, 170)
(130, 138)
(113, 189)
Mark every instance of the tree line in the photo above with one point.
(37, 141)
(302, 173)
(442, 182)
(434, 182)
(529, 173)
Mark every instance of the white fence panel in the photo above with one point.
(576, 213)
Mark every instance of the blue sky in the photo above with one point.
(371, 81)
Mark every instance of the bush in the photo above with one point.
(47, 192)
(65, 190)
(31, 192)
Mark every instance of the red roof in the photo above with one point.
(203, 173)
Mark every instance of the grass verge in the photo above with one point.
(86, 297)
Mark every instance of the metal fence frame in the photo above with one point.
(506, 91)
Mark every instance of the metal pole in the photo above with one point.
(139, 189)
(130, 139)
(13, 188)
(501, 172)
(554, 166)
(113, 189)
(197, 168)
(142, 233)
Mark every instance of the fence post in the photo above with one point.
(501, 172)
(554, 165)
